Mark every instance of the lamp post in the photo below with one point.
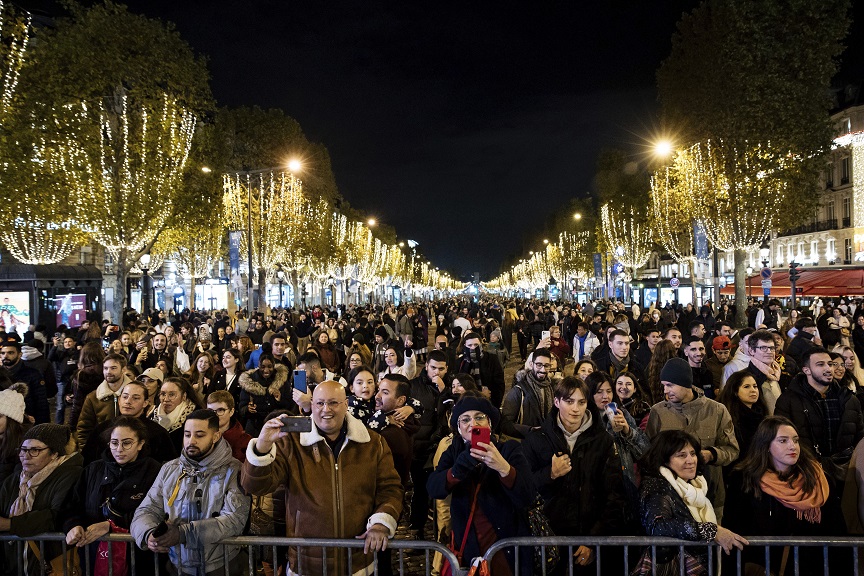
(764, 251)
(281, 275)
(144, 262)
(749, 286)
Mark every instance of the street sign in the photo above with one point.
(674, 282)
(766, 284)
(766, 272)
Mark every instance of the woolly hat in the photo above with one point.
(678, 372)
(54, 436)
(12, 405)
(721, 343)
(359, 338)
(478, 403)
(382, 332)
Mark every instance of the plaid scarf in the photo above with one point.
(829, 406)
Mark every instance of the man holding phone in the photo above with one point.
(368, 487)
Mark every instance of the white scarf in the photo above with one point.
(176, 418)
(694, 494)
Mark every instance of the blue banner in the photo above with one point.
(234, 252)
(701, 240)
(598, 265)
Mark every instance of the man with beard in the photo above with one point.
(102, 404)
(158, 351)
(694, 351)
(485, 368)
(530, 399)
(36, 400)
(199, 499)
(393, 392)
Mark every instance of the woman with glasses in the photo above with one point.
(107, 494)
(33, 497)
(177, 399)
(490, 487)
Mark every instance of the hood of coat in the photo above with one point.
(104, 392)
(249, 381)
(357, 432)
(220, 457)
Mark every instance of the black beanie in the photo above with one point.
(677, 371)
(382, 332)
(475, 403)
(54, 436)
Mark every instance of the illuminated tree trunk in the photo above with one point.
(740, 288)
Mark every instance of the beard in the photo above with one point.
(199, 453)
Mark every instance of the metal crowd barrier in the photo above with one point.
(633, 547)
(254, 545)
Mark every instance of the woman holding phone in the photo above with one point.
(489, 483)
(265, 389)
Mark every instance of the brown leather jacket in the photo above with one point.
(327, 498)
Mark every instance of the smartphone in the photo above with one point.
(300, 380)
(544, 335)
(483, 435)
(612, 406)
(56, 334)
(147, 337)
(296, 423)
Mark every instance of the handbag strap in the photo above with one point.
(468, 525)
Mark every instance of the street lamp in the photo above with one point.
(663, 148)
(144, 262)
(749, 286)
(764, 252)
(280, 274)
(577, 216)
(371, 222)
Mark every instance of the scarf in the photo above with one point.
(28, 485)
(619, 365)
(543, 388)
(694, 495)
(472, 359)
(772, 371)
(806, 506)
(176, 418)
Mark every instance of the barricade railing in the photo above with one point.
(254, 546)
(628, 549)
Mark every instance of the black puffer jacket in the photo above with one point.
(590, 499)
(798, 404)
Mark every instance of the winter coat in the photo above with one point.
(123, 487)
(523, 406)
(99, 406)
(65, 362)
(710, 422)
(664, 513)
(327, 498)
(209, 507)
(221, 382)
(491, 375)
(590, 499)
(264, 398)
(630, 449)
(798, 404)
(83, 383)
(37, 361)
(36, 401)
(426, 392)
(52, 498)
(159, 445)
(503, 507)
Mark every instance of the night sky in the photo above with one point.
(462, 124)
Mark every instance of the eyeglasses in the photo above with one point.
(219, 411)
(31, 452)
(169, 395)
(766, 348)
(331, 404)
(542, 365)
(478, 419)
(122, 444)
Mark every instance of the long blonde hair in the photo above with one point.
(857, 371)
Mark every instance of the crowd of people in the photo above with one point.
(185, 429)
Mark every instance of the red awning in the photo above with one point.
(829, 282)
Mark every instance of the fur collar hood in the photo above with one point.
(250, 381)
(357, 432)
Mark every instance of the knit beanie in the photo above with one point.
(478, 403)
(382, 332)
(54, 436)
(359, 338)
(678, 372)
(12, 405)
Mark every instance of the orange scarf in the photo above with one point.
(806, 506)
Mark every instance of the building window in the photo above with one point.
(790, 252)
(779, 255)
(829, 176)
(844, 126)
(847, 251)
(829, 211)
(800, 251)
(109, 263)
(844, 170)
(814, 251)
(830, 251)
(847, 211)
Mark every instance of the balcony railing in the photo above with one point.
(847, 221)
(818, 226)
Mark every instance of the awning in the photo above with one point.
(826, 282)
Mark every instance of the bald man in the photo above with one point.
(339, 456)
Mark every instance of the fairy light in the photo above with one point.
(628, 231)
(15, 40)
(672, 208)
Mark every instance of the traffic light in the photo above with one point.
(794, 271)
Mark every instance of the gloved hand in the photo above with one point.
(463, 465)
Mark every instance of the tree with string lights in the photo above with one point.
(119, 96)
